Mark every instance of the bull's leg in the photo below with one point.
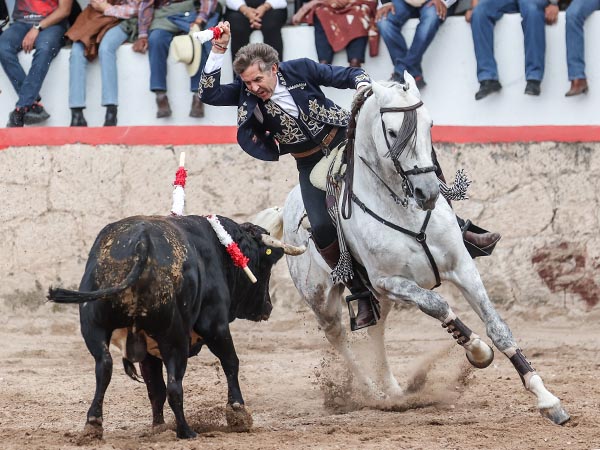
(471, 286)
(220, 343)
(151, 368)
(431, 303)
(97, 341)
(174, 350)
(384, 373)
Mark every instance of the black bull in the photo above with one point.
(165, 280)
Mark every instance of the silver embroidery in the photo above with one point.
(242, 114)
(291, 133)
(272, 109)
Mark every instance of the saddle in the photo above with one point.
(330, 165)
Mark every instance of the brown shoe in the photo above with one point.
(162, 101)
(578, 86)
(368, 310)
(484, 241)
(197, 109)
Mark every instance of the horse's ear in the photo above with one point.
(381, 93)
(411, 84)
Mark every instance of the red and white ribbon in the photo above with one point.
(208, 34)
(238, 258)
(178, 192)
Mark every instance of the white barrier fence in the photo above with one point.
(449, 69)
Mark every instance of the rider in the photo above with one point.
(282, 109)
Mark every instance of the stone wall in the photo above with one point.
(543, 198)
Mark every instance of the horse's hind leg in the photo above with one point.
(472, 288)
(431, 303)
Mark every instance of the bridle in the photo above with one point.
(407, 187)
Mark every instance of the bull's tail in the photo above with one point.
(59, 295)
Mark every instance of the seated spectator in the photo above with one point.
(4, 18)
(160, 21)
(339, 24)
(39, 25)
(392, 16)
(534, 14)
(268, 16)
(577, 12)
(96, 32)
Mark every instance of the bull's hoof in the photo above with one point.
(186, 433)
(239, 418)
(556, 414)
(479, 354)
(91, 434)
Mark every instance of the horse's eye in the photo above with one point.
(392, 134)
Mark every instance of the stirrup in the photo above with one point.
(473, 250)
(373, 304)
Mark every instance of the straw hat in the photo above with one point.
(186, 49)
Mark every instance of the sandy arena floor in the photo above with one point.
(298, 391)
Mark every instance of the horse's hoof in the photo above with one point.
(556, 414)
(239, 418)
(479, 354)
(91, 433)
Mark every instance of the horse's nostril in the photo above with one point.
(419, 195)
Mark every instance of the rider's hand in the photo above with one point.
(220, 45)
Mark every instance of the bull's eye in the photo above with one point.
(269, 251)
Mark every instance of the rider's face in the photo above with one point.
(262, 84)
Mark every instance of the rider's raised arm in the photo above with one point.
(211, 91)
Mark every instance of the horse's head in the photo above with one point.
(400, 132)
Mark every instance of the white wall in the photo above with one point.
(449, 69)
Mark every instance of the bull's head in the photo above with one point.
(264, 252)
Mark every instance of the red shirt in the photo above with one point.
(32, 11)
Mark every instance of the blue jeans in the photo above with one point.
(158, 51)
(390, 28)
(107, 53)
(577, 12)
(47, 45)
(354, 50)
(485, 16)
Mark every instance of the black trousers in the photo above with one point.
(322, 228)
(272, 22)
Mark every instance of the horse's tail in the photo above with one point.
(271, 219)
(59, 295)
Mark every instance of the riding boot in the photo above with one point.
(479, 242)
(368, 306)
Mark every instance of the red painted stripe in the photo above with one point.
(201, 135)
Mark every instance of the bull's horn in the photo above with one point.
(287, 248)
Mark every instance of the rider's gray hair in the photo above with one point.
(257, 52)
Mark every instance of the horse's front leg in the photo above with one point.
(383, 371)
(328, 310)
(431, 303)
(471, 286)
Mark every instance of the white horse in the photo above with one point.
(394, 188)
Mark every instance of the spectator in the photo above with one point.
(577, 12)
(160, 21)
(96, 33)
(392, 16)
(4, 18)
(268, 16)
(534, 13)
(39, 25)
(339, 24)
